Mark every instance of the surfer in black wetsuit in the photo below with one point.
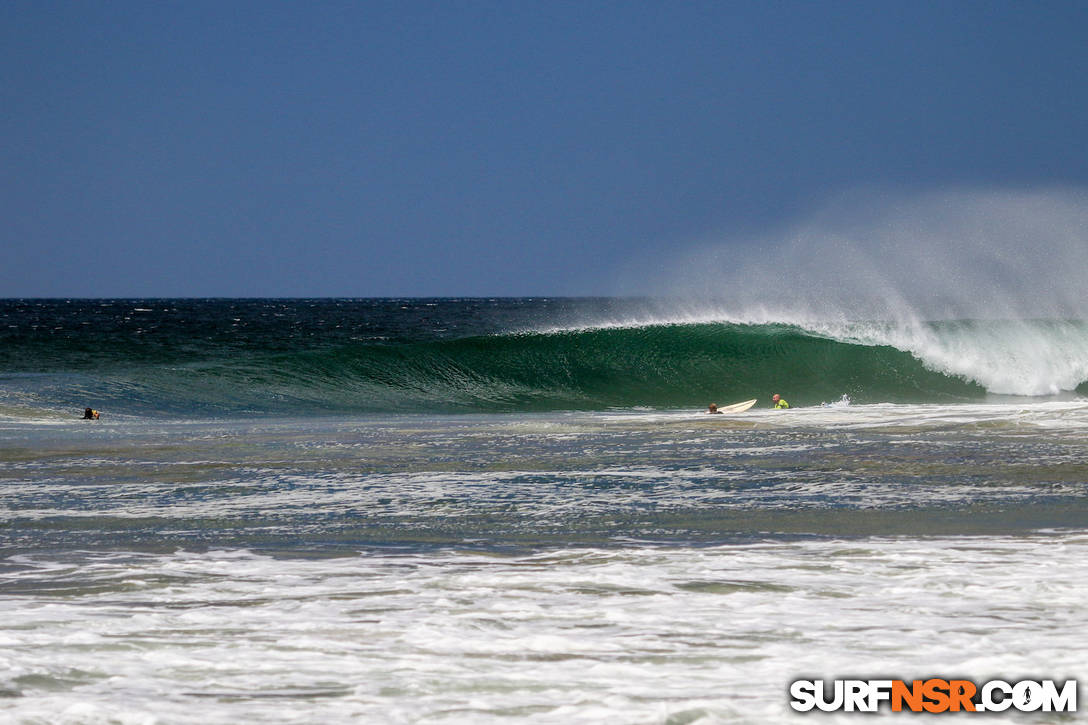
(713, 409)
(90, 414)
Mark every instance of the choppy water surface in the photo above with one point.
(507, 510)
(624, 566)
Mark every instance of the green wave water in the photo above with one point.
(660, 366)
(315, 357)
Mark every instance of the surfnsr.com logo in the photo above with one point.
(934, 695)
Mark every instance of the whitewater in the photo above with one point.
(517, 510)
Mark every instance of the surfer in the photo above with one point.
(779, 402)
(713, 409)
(90, 414)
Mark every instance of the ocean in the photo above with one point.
(518, 510)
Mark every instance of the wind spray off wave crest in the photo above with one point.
(985, 285)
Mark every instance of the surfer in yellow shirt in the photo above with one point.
(779, 402)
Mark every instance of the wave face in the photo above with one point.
(335, 356)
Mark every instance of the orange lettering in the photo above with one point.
(911, 695)
(936, 691)
(961, 692)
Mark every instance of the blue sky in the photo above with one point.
(477, 148)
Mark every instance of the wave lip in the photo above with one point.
(1004, 357)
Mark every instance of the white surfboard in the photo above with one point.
(738, 407)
